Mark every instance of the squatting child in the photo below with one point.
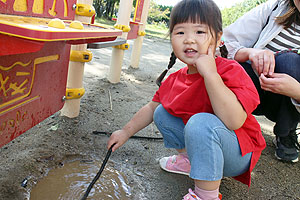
(204, 109)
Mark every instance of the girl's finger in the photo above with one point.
(210, 51)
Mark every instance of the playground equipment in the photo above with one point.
(136, 31)
(35, 42)
(38, 39)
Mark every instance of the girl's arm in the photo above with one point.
(224, 102)
(140, 120)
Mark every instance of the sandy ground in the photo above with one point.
(107, 107)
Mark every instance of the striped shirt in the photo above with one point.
(287, 39)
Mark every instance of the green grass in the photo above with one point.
(155, 30)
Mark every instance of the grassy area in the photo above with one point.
(151, 30)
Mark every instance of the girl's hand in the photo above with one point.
(118, 138)
(263, 61)
(206, 63)
(280, 83)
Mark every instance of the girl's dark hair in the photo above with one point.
(170, 65)
(195, 11)
(290, 17)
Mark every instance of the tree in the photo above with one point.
(105, 8)
(158, 14)
(231, 14)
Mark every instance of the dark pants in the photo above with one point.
(276, 107)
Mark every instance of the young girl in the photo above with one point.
(204, 109)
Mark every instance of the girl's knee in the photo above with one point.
(201, 122)
(158, 113)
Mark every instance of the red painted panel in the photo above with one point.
(32, 86)
(133, 33)
(13, 45)
(138, 10)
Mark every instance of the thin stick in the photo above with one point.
(98, 174)
(109, 95)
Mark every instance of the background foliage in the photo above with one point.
(158, 16)
(229, 15)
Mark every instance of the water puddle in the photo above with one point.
(72, 180)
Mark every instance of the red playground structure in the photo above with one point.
(35, 42)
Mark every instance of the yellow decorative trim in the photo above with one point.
(13, 65)
(57, 23)
(81, 56)
(38, 6)
(76, 25)
(20, 5)
(124, 28)
(85, 10)
(36, 62)
(15, 106)
(74, 93)
(135, 12)
(22, 74)
(141, 33)
(122, 46)
(65, 8)
(52, 10)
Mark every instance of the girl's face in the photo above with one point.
(297, 4)
(189, 40)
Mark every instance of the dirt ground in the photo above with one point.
(107, 107)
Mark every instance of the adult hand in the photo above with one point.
(206, 63)
(118, 138)
(263, 61)
(280, 83)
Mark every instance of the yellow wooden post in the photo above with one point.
(118, 54)
(71, 107)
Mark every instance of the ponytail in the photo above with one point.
(170, 65)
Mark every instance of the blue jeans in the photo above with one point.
(278, 108)
(213, 150)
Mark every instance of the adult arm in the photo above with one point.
(262, 61)
(245, 31)
(140, 120)
(283, 84)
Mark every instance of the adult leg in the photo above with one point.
(287, 117)
(279, 108)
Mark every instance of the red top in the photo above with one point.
(184, 95)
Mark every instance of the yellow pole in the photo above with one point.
(118, 54)
(138, 42)
(76, 70)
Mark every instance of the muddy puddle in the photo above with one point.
(71, 181)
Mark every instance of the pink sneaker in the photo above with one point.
(178, 164)
(191, 196)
